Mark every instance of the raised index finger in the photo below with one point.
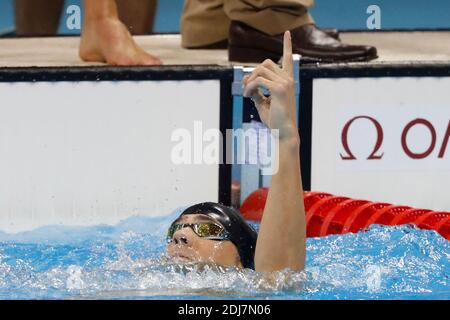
(288, 60)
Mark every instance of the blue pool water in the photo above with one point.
(125, 262)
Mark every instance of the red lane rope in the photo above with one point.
(318, 212)
(409, 216)
(336, 219)
(327, 214)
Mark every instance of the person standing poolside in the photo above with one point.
(213, 233)
(104, 38)
(252, 30)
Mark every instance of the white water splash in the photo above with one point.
(75, 281)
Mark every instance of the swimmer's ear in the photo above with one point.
(288, 60)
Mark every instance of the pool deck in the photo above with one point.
(393, 47)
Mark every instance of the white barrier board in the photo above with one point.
(85, 153)
(383, 139)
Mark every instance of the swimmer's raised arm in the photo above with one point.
(281, 238)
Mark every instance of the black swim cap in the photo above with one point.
(241, 234)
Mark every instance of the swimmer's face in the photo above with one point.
(187, 247)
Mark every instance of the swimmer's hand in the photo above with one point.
(278, 111)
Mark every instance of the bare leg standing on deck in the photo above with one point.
(106, 39)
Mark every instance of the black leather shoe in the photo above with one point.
(247, 44)
(310, 41)
(334, 33)
(223, 44)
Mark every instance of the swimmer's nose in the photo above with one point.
(180, 238)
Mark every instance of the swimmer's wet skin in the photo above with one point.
(210, 232)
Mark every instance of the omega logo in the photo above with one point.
(376, 154)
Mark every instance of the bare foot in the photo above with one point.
(108, 40)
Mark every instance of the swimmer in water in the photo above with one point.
(213, 233)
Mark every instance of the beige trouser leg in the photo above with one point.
(207, 21)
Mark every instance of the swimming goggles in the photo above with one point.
(205, 230)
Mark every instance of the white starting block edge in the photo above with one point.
(37, 189)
